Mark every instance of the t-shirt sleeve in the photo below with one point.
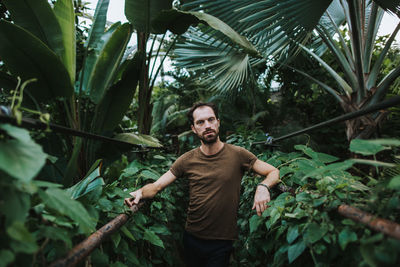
(178, 167)
(247, 158)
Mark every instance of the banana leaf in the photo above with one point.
(64, 10)
(141, 13)
(108, 61)
(27, 56)
(37, 17)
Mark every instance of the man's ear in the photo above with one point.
(193, 130)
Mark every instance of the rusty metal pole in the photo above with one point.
(83, 249)
(390, 228)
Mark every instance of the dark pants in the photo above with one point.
(206, 253)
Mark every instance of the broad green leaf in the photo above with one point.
(127, 233)
(37, 17)
(303, 197)
(365, 147)
(149, 175)
(116, 238)
(367, 252)
(105, 204)
(394, 183)
(373, 162)
(174, 20)
(55, 233)
(40, 183)
(325, 158)
(314, 232)
(318, 202)
(98, 26)
(23, 240)
(285, 170)
(254, 223)
(64, 10)
(292, 234)
(153, 238)
(35, 60)
(6, 257)
(179, 21)
(23, 247)
(138, 139)
(132, 259)
(296, 250)
(345, 237)
(339, 166)
(18, 231)
(20, 157)
(160, 229)
(87, 184)
(60, 201)
(99, 258)
(141, 13)
(14, 206)
(274, 217)
(118, 98)
(96, 43)
(108, 62)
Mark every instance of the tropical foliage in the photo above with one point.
(55, 189)
(280, 30)
(43, 220)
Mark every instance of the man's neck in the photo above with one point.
(211, 149)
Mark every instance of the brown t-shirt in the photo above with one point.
(214, 188)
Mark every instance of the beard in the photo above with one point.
(210, 139)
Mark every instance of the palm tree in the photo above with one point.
(279, 29)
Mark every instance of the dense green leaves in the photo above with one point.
(37, 17)
(345, 237)
(138, 139)
(20, 156)
(60, 201)
(108, 62)
(118, 98)
(64, 11)
(296, 250)
(33, 61)
(141, 13)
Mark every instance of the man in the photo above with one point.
(214, 170)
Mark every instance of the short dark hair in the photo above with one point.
(201, 104)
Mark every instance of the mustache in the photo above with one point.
(209, 131)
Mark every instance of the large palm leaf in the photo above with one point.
(280, 28)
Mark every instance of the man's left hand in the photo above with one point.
(261, 199)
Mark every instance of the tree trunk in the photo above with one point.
(362, 127)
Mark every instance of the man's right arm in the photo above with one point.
(150, 190)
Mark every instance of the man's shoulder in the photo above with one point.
(235, 148)
(188, 154)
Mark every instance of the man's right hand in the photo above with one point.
(134, 200)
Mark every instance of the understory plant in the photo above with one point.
(42, 221)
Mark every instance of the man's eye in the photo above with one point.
(211, 119)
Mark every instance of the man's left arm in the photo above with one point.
(262, 195)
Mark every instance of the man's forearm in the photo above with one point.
(272, 178)
(149, 190)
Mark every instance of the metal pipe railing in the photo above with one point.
(37, 124)
(382, 105)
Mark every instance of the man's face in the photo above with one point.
(205, 124)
